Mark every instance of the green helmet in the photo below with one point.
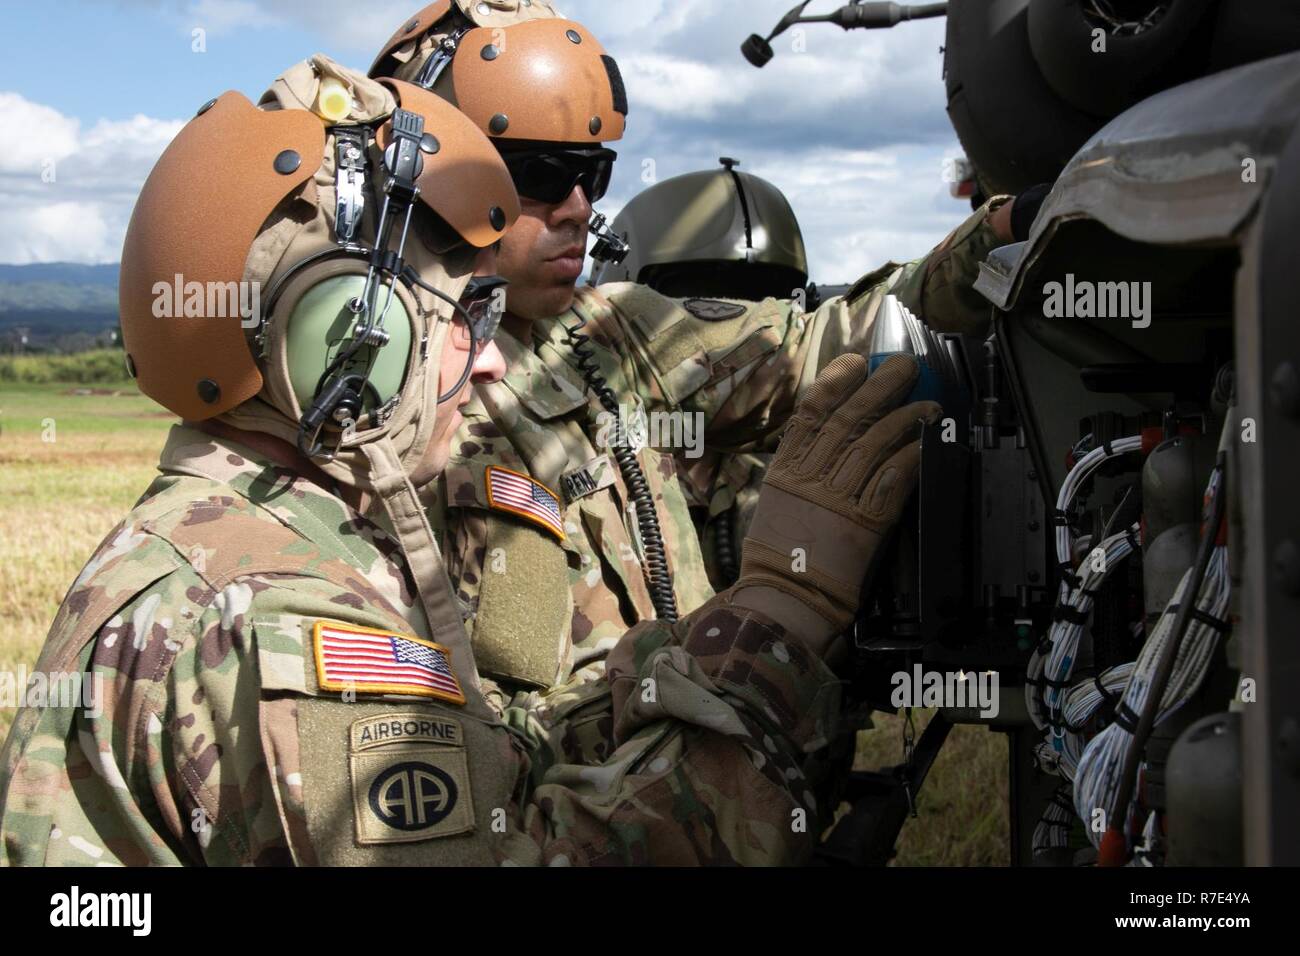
(719, 232)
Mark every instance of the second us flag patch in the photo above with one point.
(520, 495)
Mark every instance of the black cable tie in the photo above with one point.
(1065, 612)
(1209, 620)
(1125, 718)
(1107, 696)
(1063, 803)
(1068, 575)
(1133, 541)
(1204, 617)
(1065, 825)
(1061, 519)
(1110, 451)
(1093, 593)
(1057, 684)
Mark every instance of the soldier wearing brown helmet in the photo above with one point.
(624, 549)
(278, 669)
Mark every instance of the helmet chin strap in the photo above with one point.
(406, 514)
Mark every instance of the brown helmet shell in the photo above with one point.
(548, 80)
(229, 167)
(424, 20)
(464, 181)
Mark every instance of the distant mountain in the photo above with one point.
(51, 301)
(73, 273)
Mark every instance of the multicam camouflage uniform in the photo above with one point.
(741, 366)
(219, 741)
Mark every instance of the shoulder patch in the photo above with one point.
(518, 494)
(367, 660)
(714, 310)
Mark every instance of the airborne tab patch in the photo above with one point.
(370, 661)
(520, 495)
(713, 310)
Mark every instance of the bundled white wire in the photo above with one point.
(1097, 775)
(1077, 476)
(1053, 828)
(1065, 635)
(1149, 850)
(1081, 703)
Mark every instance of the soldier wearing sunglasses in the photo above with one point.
(554, 507)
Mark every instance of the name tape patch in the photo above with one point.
(370, 661)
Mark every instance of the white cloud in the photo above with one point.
(224, 17)
(61, 232)
(39, 134)
(680, 88)
(852, 128)
(68, 192)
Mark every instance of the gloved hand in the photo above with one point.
(847, 463)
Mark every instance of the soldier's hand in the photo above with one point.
(847, 463)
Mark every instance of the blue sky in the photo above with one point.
(851, 126)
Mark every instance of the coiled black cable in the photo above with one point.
(724, 547)
(659, 578)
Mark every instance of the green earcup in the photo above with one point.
(320, 327)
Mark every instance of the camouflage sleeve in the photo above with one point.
(167, 766)
(751, 390)
(711, 723)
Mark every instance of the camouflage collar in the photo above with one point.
(547, 387)
(288, 496)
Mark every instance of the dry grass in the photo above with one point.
(59, 497)
(962, 809)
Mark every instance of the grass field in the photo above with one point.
(75, 457)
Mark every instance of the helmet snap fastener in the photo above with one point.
(287, 161)
(429, 144)
(595, 125)
(574, 36)
(209, 391)
(490, 52)
(497, 216)
(499, 123)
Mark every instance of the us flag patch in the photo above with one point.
(518, 494)
(371, 661)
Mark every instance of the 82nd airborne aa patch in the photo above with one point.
(410, 778)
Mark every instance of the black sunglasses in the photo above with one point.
(549, 175)
(484, 301)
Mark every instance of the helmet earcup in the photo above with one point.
(319, 329)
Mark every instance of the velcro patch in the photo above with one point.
(714, 310)
(370, 661)
(520, 495)
(403, 796)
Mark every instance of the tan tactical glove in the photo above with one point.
(847, 463)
